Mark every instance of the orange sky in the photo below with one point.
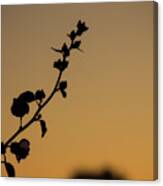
(107, 118)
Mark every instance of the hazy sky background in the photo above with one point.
(107, 118)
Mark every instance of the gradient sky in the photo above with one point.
(107, 118)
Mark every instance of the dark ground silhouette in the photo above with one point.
(104, 174)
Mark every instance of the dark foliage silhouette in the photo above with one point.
(20, 149)
(104, 174)
(10, 169)
(21, 105)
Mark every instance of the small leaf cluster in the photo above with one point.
(63, 63)
(19, 108)
(20, 105)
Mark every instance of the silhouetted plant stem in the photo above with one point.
(20, 106)
(53, 92)
(20, 126)
(33, 119)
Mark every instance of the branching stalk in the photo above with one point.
(20, 105)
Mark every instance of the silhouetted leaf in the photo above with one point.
(20, 149)
(60, 65)
(72, 35)
(27, 96)
(43, 128)
(81, 27)
(3, 149)
(39, 95)
(56, 50)
(65, 50)
(76, 44)
(10, 169)
(62, 87)
(64, 94)
(19, 108)
(14, 147)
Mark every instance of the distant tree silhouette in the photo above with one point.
(21, 105)
(104, 174)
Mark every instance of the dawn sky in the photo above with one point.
(107, 118)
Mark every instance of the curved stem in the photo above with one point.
(20, 126)
(21, 129)
(4, 161)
